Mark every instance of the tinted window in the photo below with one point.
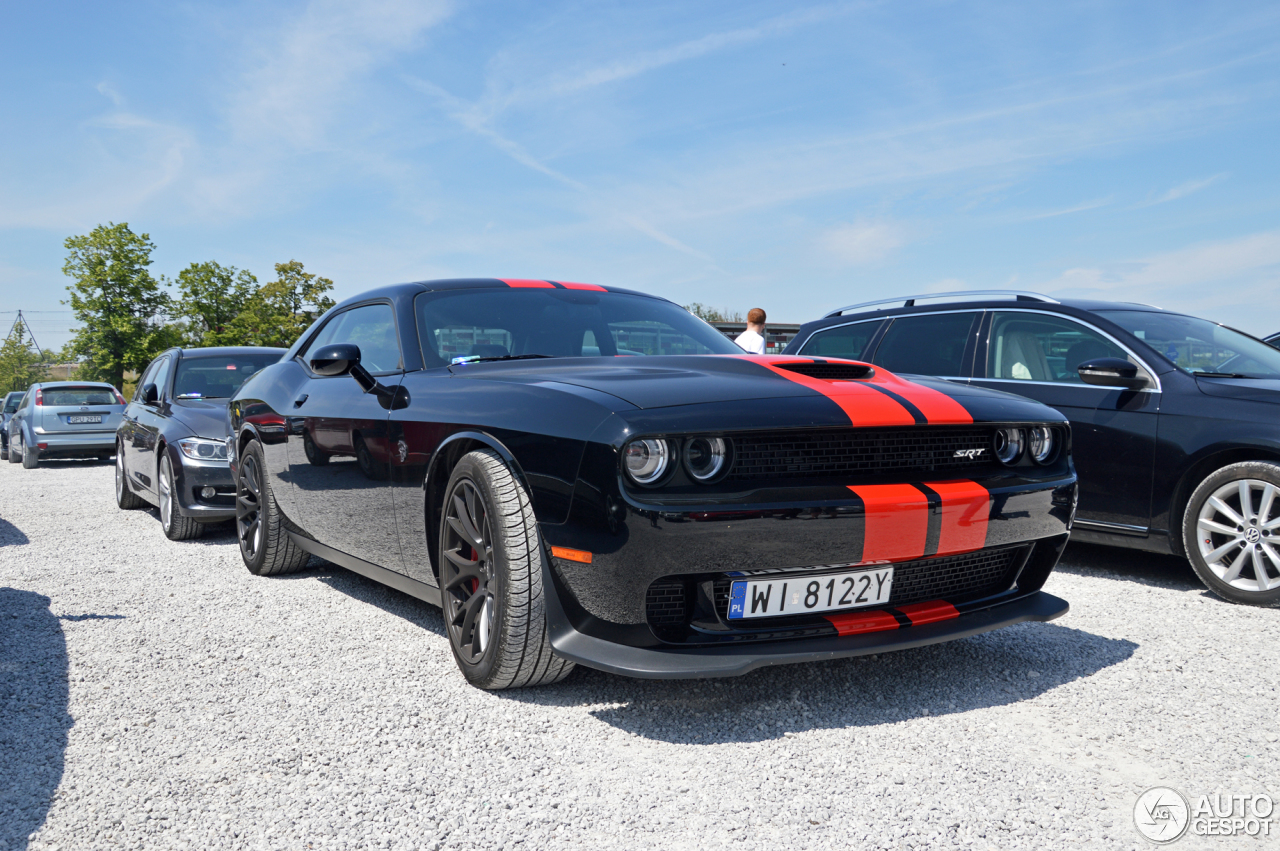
(372, 328)
(1199, 346)
(844, 341)
(926, 345)
(11, 402)
(145, 379)
(216, 377)
(161, 375)
(558, 323)
(78, 396)
(1039, 347)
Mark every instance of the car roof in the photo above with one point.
(225, 351)
(395, 290)
(46, 385)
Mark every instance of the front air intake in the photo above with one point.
(830, 371)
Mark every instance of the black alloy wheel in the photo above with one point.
(265, 545)
(491, 563)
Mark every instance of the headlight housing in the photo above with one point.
(203, 449)
(706, 457)
(1009, 442)
(646, 461)
(1041, 444)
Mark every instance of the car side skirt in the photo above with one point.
(400, 582)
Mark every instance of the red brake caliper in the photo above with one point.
(475, 583)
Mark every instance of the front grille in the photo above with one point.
(857, 451)
(829, 371)
(667, 603)
(950, 578)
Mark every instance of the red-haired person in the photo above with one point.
(752, 339)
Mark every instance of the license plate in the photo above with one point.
(801, 595)
(74, 419)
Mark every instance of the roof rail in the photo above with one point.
(909, 301)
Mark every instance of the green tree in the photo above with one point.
(122, 307)
(280, 311)
(710, 314)
(212, 296)
(21, 364)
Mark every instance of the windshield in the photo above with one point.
(217, 376)
(508, 323)
(1198, 346)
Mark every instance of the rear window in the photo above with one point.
(216, 377)
(78, 396)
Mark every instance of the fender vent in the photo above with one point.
(830, 371)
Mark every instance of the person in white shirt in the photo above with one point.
(752, 339)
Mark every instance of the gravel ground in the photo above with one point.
(154, 695)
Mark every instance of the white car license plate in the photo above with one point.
(799, 594)
(75, 419)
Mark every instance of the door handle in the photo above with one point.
(298, 403)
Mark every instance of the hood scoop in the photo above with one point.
(829, 371)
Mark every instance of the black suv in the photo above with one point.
(1176, 437)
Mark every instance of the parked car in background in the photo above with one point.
(581, 474)
(1174, 419)
(171, 448)
(64, 419)
(1273, 340)
(10, 405)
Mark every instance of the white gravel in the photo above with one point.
(154, 695)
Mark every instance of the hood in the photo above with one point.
(205, 419)
(672, 381)
(1250, 389)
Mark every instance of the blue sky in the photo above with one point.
(792, 157)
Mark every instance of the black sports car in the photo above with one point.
(171, 448)
(581, 474)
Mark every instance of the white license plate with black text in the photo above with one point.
(800, 595)
(76, 419)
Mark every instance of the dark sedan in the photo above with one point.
(581, 474)
(171, 448)
(1174, 418)
(10, 408)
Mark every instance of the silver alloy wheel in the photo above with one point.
(1239, 534)
(166, 494)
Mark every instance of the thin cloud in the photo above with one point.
(1078, 208)
(1182, 190)
(862, 242)
(109, 91)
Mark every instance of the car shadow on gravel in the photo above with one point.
(11, 536)
(33, 713)
(366, 590)
(1118, 563)
(995, 669)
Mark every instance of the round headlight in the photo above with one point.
(1009, 445)
(705, 457)
(1041, 444)
(646, 460)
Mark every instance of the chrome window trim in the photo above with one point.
(882, 319)
(1151, 372)
(1105, 526)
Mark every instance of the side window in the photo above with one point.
(372, 328)
(844, 341)
(932, 344)
(145, 379)
(1041, 347)
(160, 376)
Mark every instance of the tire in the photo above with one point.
(491, 561)
(14, 455)
(265, 546)
(315, 457)
(30, 457)
(125, 497)
(1234, 547)
(370, 466)
(176, 526)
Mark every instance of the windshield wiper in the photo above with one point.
(479, 359)
(197, 396)
(1208, 374)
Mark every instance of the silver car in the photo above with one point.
(65, 419)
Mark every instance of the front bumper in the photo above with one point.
(191, 477)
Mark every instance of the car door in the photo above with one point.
(1035, 354)
(339, 452)
(148, 419)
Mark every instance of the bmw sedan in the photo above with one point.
(583, 474)
(64, 419)
(171, 448)
(1173, 417)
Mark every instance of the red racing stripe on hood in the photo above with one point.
(966, 509)
(862, 405)
(896, 524)
(938, 408)
(570, 286)
(522, 282)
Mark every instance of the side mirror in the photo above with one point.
(150, 394)
(1111, 372)
(336, 359)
